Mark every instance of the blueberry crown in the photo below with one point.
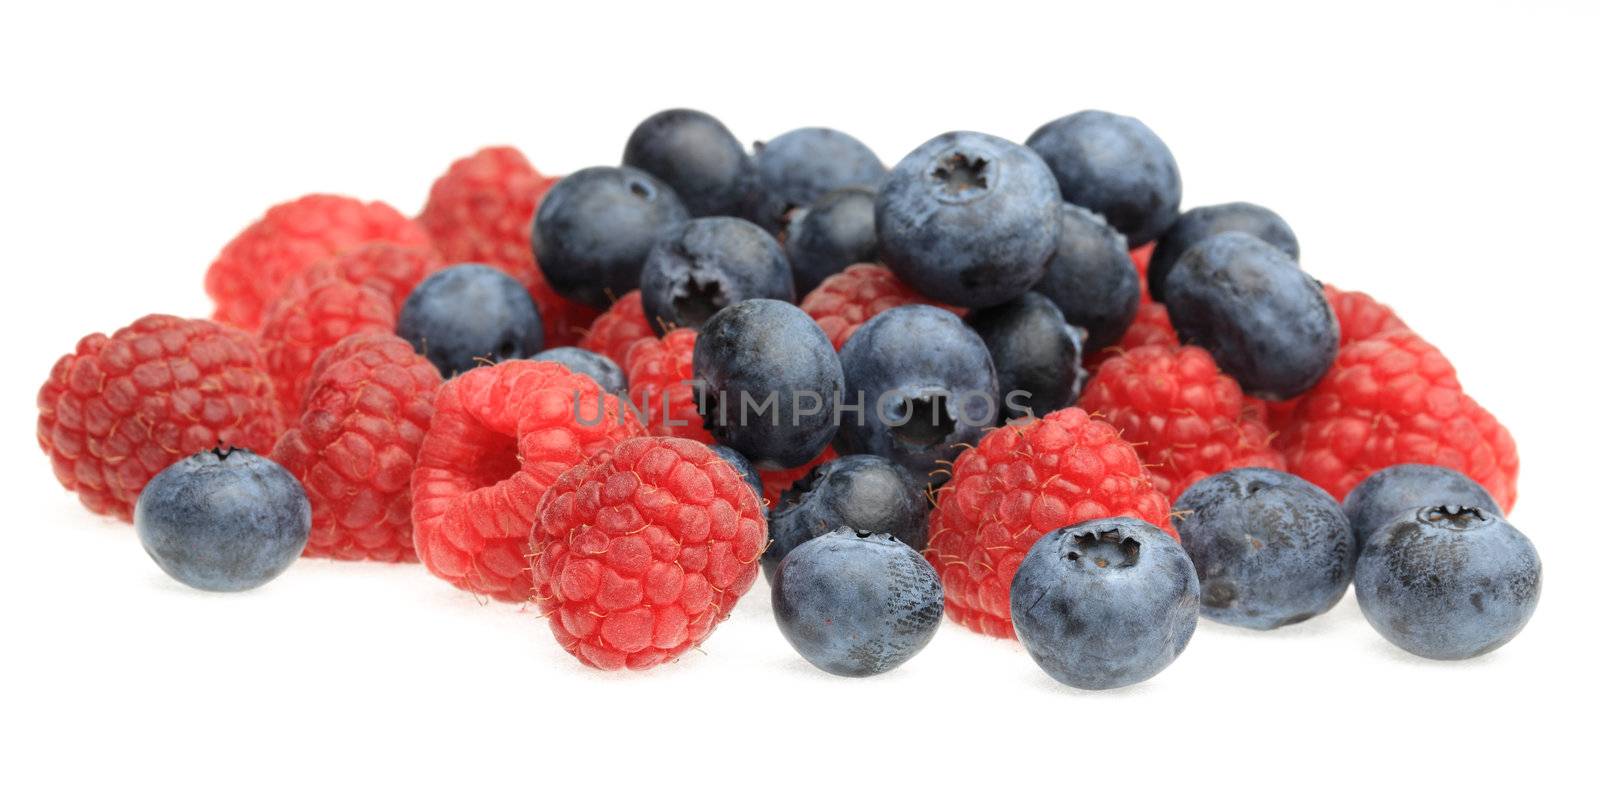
(1454, 516)
(1103, 548)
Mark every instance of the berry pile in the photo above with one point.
(1012, 383)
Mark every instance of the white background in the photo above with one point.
(1441, 158)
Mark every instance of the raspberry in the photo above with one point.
(774, 483)
(640, 551)
(1360, 317)
(297, 329)
(845, 301)
(618, 329)
(481, 211)
(356, 443)
(500, 435)
(1184, 416)
(253, 268)
(1394, 399)
(660, 381)
(1151, 326)
(1141, 264)
(121, 408)
(389, 269)
(1021, 481)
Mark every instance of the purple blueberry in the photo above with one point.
(1265, 321)
(223, 520)
(1092, 278)
(1271, 549)
(1201, 223)
(1106, 603)
(704, 265)
(699, 158)
(1038, 357)
(969, 219)
(857, 605)
(1448, 582)
(594, 228)
(1115, 166)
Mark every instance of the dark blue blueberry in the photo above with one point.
(1271, 549)
(1115, 166)
(922, 387)
(696, 155)
(1266, 322)
(768, 382)
(604, 371)
(857, 605)
(470, 314)
(864, 493)
(594, 228)
(835, 233)
(1448, 582)
(1201, 223)
(1038, 357)
(744, 468)
(705, 265)
(969, 219)
(1092, 278)
(1401, 489)
(1105, 603)
(223, 520)
(798, 168)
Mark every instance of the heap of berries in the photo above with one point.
(1014, 383)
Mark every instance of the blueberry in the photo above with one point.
(1201, 223)
(704, 265)
(1401, 489)
(922, 387)
(1115, 166)
(1035, 352)
(968, 219)
(1092, 278)
(1448, 582)
(696, 155)
(860, 492)
(857, 605)
(469, 314)
(768, 381)
(1105, 603)
(1271, 549)
(594, 228)
(1266, 322)
(798, 168)
(831, 235)
(604, 371)
(744, 468)
(223, 520)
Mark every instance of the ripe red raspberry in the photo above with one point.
(618, 329)
(640, 551)
(297, 329)
(1151, 326)
(500, 435)
(1394, 399)
(774, 483)
(1185, 417)
(253, 268)
(1141, 264)
(355, 445)
(389, 269)
(121, 408)
(1360, 317)
(1021, 481)
(845, 301)
(660, 382)
(481, 211)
